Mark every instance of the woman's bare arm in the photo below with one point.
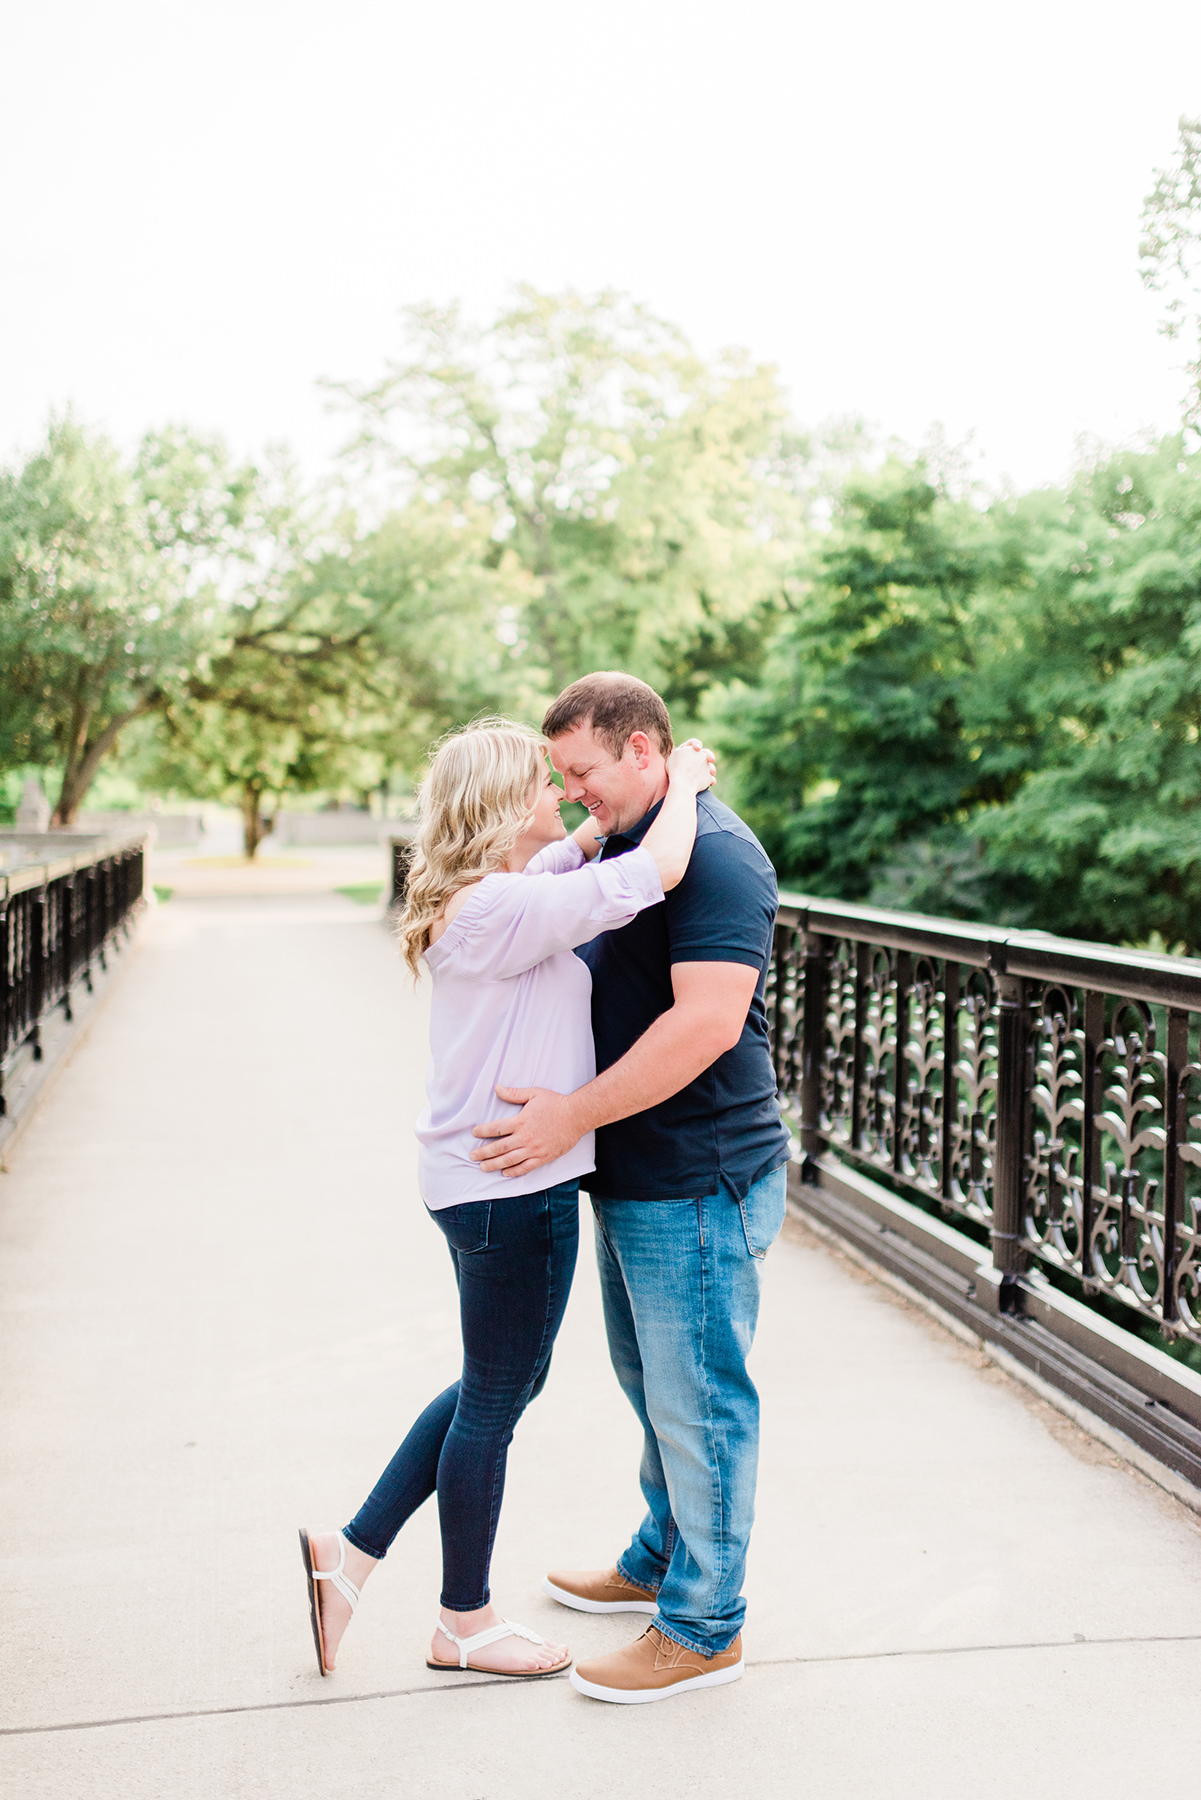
(589, 837)
(671, 837)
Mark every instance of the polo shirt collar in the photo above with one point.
(636, 833)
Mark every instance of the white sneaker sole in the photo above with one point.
(598, 1606)
(641, 1696)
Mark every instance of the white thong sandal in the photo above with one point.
(341, 1581)
(468, 1645)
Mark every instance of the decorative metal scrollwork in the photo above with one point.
(879, 1035)
(1054, 1217)
(1125, 1250)
(920, 1150)
(974, 1125)
(1099, 1151)
(838, 1059)
(1186, 1283)
(785, 1001)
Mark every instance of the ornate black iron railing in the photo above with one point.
(1044, 1090)
(58, 920)
(402, 848)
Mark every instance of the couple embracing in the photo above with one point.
(637, 947)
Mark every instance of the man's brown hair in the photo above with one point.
(614, 705)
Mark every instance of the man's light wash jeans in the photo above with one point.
(680, 1282)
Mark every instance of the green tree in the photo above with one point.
(96, 626)
(1104, 838)
(250, 744)
(890, 707)
(188, 590)
(626, 503)
(441, 643)
(117, 588)
(286, 694)
(993, 714)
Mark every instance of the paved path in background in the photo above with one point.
(211, 874)
(222, 1306)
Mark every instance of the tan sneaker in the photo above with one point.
(598, 1591)
(654, 1668)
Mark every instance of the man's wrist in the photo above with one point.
(582, 1110)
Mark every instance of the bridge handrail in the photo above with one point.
(86, 848)
(59, 917)
(1045, 1090)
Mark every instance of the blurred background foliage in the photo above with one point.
(991, 713)
(925, 696)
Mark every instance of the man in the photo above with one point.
(688, 1192)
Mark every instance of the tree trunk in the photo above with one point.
(83, 760)
(253, 831)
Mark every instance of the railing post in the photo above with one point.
(6, 992)
(1013, 1100)
(104, 875)
(813, 1043)
(403, 850)
(60, 941)
(89, 925)
(37, 970)
(79, 891)
(135, 883)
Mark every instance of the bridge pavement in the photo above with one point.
(221, 1307)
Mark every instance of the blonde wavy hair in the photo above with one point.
(474, 805)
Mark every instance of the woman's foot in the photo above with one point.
(508, 1655)
(336, 1610)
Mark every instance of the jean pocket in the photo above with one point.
(762, 1212)
(465, 1227)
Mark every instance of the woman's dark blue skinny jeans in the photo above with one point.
(514, 1259)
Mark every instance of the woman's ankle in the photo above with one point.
(466, 1624)
(358, 1563)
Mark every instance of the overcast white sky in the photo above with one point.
(920, 212)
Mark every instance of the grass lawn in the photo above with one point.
(366, 893)
(241, 862)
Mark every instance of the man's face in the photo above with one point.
(617, 791)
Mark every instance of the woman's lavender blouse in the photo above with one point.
(512, 1006)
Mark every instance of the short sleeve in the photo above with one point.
(725, 907)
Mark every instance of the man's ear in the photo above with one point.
(640, 744)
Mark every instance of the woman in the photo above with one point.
(498, 897)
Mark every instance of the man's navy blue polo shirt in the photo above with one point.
(723, 1130)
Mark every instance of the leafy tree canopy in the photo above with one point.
(1104, 840)
(993, 713)
(96, 626)
(875, 723)
(627, 503)
(991, 710)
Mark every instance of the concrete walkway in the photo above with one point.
(222, 1307)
